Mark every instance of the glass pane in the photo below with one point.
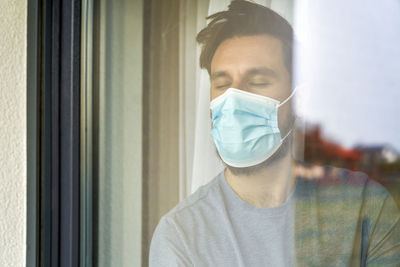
(117, 108)
(352, 66)
(277, 137)
(135, 125)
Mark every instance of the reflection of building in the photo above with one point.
(378, 153)
(377, 161)
(322, 151)
(377, 158)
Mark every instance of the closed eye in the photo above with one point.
(222, 86)
(259, 84)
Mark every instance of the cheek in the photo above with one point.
(214, 93)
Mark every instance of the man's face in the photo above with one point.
(254, 64)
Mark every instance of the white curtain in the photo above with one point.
(199, 160)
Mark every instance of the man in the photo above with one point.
(260, 211)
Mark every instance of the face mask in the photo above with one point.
(245, 127)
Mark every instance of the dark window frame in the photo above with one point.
(53, 128)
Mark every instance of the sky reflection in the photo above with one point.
(351, 62)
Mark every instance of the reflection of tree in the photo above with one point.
(380, 162)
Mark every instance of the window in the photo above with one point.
(121, 122)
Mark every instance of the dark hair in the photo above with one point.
(244, 18)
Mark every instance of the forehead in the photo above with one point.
(241, 53)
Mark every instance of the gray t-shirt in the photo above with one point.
(214, 227)
(341, 219)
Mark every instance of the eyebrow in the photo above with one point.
(262, 70)
(253, 71)
(219, 74)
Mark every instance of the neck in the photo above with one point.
(269, 187)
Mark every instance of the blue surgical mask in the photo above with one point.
(245, 127)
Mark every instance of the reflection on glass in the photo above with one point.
(268, 206)
(286, 177)
(351, 69)
(379, 162)
(118, 106)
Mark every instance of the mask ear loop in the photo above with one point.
(288, 133)
(294, 121)
(288, 98)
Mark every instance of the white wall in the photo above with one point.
(13, 15)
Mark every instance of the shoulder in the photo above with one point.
(342, 187)
(175, 229)
(200, 199)
(351, 204)
(321, 178)
(194, 210)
